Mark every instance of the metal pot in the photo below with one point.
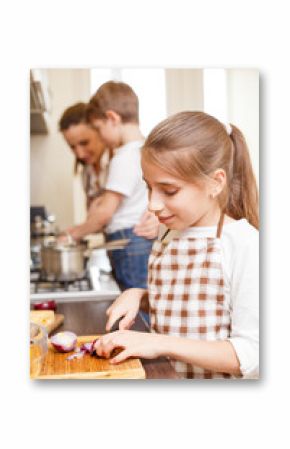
(67, 262)
(63, 263)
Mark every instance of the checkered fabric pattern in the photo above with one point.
(186, 295)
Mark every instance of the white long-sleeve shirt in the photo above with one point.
(240, 260)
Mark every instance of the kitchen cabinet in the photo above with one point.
(39, 102)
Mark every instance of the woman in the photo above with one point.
(89, 150)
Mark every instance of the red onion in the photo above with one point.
(87, 347)
(76, 355)
(64, 341)
(46, 305)
(93, 351)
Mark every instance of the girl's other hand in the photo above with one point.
(134, 344)
(126, 306)
(148, 226)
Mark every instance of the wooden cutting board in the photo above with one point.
(58, 320)
(56, 366)
(47, 319)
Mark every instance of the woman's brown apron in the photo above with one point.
(187, 294)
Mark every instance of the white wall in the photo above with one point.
(243, 108)
(184, 90)
(51, 162)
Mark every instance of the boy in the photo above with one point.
(113, 111)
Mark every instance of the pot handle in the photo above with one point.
(109, 246)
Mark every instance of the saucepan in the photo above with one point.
(67, 261)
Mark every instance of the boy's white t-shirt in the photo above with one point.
(125, 177)
(240, 261)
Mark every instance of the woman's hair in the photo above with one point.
(115, 96)
(74, 115)
(192, 145)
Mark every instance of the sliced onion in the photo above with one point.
(87, 347)
(64, 341)
(93, 351)
(76, 355)
(46, 305)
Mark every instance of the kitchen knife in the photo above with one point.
(115, 326)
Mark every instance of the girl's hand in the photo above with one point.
(148, 226)
(134, 344)
(127, 306)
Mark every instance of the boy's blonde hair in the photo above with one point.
(114, 96)
(192, 145)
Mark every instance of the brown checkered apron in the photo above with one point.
(186, 294)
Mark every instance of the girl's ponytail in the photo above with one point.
(243, 199)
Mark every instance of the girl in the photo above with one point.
(203, 281)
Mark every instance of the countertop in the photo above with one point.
(89, 318)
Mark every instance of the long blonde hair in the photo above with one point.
(192, 145)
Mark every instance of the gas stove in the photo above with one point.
(41, 284)
(96, 284)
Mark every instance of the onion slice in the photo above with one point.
(64, 341)
(76, 355)
(87, 347)
(93, 351)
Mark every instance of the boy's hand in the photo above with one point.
(68, 237)
(148, 226)
(134, 344)
(127, 306)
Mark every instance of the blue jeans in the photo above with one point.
(129, 265)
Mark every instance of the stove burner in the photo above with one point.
(41, 284)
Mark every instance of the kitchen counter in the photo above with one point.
(89, 318)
